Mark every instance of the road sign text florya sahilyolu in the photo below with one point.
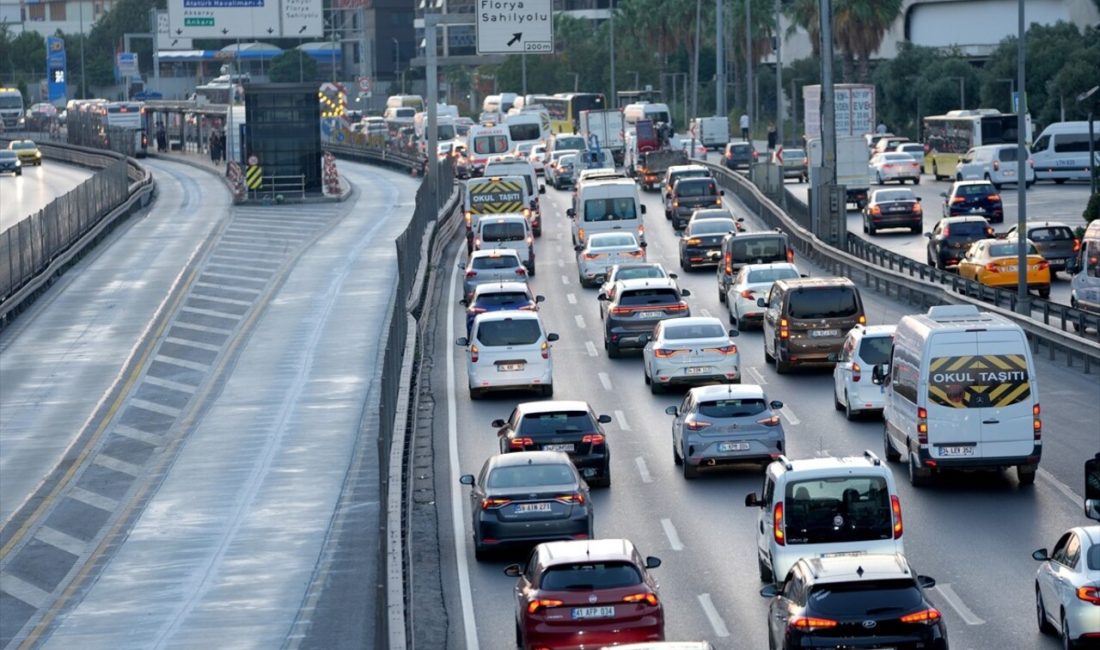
(510, 11)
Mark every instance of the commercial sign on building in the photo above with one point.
(245, 18)
(515, 26)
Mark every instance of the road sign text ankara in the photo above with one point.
(515, 26)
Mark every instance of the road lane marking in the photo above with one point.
(169, 384)
(457, 518)
(110, 462)
(591, 347)
(92, 499)
(161, 409)
(580, 321)
(23, 590)
(643, 470)
(565, 279)
(605, 379)
(621, 417)
(790, 416)
(561, 262)
(572, 298)
(1060, 486)
(705, 312)
(150, 439)
(957, 604)
(198, 345)
(759, 378)
(672, 535)
(715, 619)
(61, 540)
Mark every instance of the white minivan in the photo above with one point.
(606, 206)
(996, 163)
(1085, 285)
(508, 349)
(1062, 151)
(507, 232)
(961, 393)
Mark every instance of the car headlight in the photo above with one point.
(38, 154)
(18, 163)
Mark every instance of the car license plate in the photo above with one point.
(824, 333)
(697, 370)
(714, 254)
(556, 447)
(733, 446)
(1009, 269)
(509, 367)
(650, 314)
(957, 450)
(592, 612)
(532, 507)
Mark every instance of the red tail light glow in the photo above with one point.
(694, 241)
(724, 350)
(520, 443)
(570, 499)
(1043, 265)
(545, 348)
(958, 199)
(490, 504)
(747, 294)
(697, 425)
(522, 270)
(473, 354)
(922, 425)
(1037, 422)
(593, 438)
(542, 603)
(471, 274)
(771, 421)
(790, 255)
(1089, 594)
(777, 524)
(994, 197)
(925, 616)
(996, 165)
(651, 599)
(875, 210)
(809, 623)
(895, 507)
(856, 369)
(1076, 245)
(678, 307)
(729, 264)
(784, 329)
(662, 353)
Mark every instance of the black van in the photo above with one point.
(750, 248)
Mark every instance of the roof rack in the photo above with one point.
(870, 455)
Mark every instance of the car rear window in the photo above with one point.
(499, 262)
(611, 240)
(705, 331)
(874, 597)
(823, 302)
(534, 424)
(530, 476)
(762, 248)
(589, 576)
(703, 215)
(1009, 250)
(693, 187)
(771, 275)
(507, 231)
(876, 349)
(648, 297)
(897, 157)
(1050, 233)
(712, 227)
(511, 331)
(1008, 154)
(694, 173)
(894, 195)
(615, 209)
(732, 408)
(840, 509)
(967, 229)
(639, 272)
(975, 190)
(501, 298)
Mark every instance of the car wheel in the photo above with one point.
(1076, 323)
(848, 412)
(1067, 639)
(690, 472)
(781, 367)
(878, 178)
(1041, 613)
(655, 387)
(645, 375)
(480, 552)
(1025, 474)
(547, 390)
(475, 393)
(1028, 184)
(519, 636)
(684, 264)
(891, 454)
(915, 230)
(676, 460)
(935, 171)
(1044, 292)
(613, 350)
(865, 225)
(721, 296)
(531, 271)
(537, 231)
(765, 570)
(916, 181)
(768, 358)
(871, 230)
(836, 401)
(918, 477)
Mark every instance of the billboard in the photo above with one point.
(56, 82)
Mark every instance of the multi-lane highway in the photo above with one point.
(974, 533)
(21, 196)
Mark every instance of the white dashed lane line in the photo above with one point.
(621, 417)
(605, 379)
(565, 279)
(757, 377)
(643, 470)
(591, 347)
(790, 416)
(580, 321)
(672, 535)
(715, 619)
(572, 298)
(705, 312)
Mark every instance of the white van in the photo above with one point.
(528, 126)
(1085, 285)
(646, 111)
(507, 232)
(961, 393)
(485, 141)
(996, 163)
(711, 132)
(605, 206)
(1062, 151)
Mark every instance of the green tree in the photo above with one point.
(859, 27)
(106, 37)
(293, 65)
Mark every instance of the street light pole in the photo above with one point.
(83, 83)
(1092, 138)
(611, 32)
(748, 66)
(1023, 301)
(778, 78)
(695, 68)
(719, 61)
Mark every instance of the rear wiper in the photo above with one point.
(578, 587)
(880, 610)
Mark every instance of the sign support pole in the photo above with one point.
(1023, 300)
(432, 78)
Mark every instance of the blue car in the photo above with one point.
(497, 296)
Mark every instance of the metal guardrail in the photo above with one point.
(921, 290)
(274, 186)
(375, 155)
(42, 246)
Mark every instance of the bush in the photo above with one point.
(1092, 210)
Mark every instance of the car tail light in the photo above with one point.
(1031, 163)
(542, 603)
(888, 166)
(641, 231)
(922, 425)
(917, 208)
(994, 197)
(473, 354)
(677, 308)
(729, 264)
(471, 274)
(469, 219)
(696, 425)
(895, 507)
(925, 616)
(662, 353)
(1076, 245)
(648, 598)
(545, 348)
(1037, 422)
(958, 199)
(718, 201)
(490, 504)
(580, 234)
(1089, 594)
(570, 499)
(875, 210)
(477, 310)
(530, 241)
(862, 320)
(477, 243)
(770, 421)
(784, 329)
(530, 307)
(777, 524)
(755, 155)
(1043, 265)
(593, 438)
(520, 443)
(694, 241)
(790, 256)
(729, 155)
(521, 270)
(747, 294)
(637, 253)
(724, 350)
(856, 369)
(996, 165)
(992, 267)
(946, 232)
(675, 203)
(809, 623)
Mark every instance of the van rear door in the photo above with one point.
(1007, 395)
(954, 430)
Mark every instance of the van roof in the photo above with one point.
(1070, 127)
(960, 318)
(1093, 231)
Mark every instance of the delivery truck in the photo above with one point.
(852, 168)
(608, 127)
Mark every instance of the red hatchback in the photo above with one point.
(586, 594)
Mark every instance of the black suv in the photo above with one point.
(689, 195)
(854, 601)
(744, 248)
(739, 155)
(973, 198)
(701, 241)
(634, 307)
(568, 426)
(948, 241)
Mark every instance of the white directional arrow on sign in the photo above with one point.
(515, 26)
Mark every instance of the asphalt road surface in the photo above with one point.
(22, 196)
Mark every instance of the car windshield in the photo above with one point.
(890, 598)
(824, 302)
(534, 424)
(524, 131)
(612, 241)
(648, 297)
(704, 331)
(636, 272)
(495, 262)
(876, 349)
(615, 209)
(522, 476)
(691, 173)
(509, 331)
(567, 161)
(771, 275)
(712, 227)
(703, 215)
(911, 148)
(882, 196)
(838, 509)
(766, 248)
(571, 142)
(732, 408)
(1009, 250)
(7, 154)
(501, 298)
(897, 157)
(590, 576)
(22, 145)
(692, 187)
(507, 231)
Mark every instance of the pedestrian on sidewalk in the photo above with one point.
(771, 137)
(162, 138)
(745, 127)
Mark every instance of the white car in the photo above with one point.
(913, 149)
(690, 351)
(604, 250)
(508, 350)
(507, 232)
(684, 144)
(864, 348)
(1067, 587)
(537, 156)
(751, 282)
(496, 265)
(894, 166)
(995, 163)
(633, 271)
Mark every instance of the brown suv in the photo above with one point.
(807, 319)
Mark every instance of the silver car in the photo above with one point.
(604, 250)
(494, 265)
(690, 351)
(1067, 587)
(725, 424)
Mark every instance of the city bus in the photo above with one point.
(127, 119)
(948, 137)
(565, 109)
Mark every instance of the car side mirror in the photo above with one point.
(462, 341)
(672, 410)
(686, 293)
(775, 404)
(602, 296)
(769, 590)
(1041, 555)
(803, 275)
(578, 248)
(760, 302)
(926, 582)
(513, 570)
(539, 299)
(753, 501)
(542, 189)
(643, 245)
(466, 479)
(928, 235)
(497, 423)
(734, 333)
(604, 419)
(673, 276)
(461, 266)
(943, 194)
(721, 192)
(880, 374)
(652, 562)
(918, 199)
(740, 219)
(552, 336)
(570, 212)
(463, 302)
(643, 209)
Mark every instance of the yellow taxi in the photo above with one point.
(27, 151)
(994, 263)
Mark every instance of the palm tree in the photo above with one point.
(859, 28)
